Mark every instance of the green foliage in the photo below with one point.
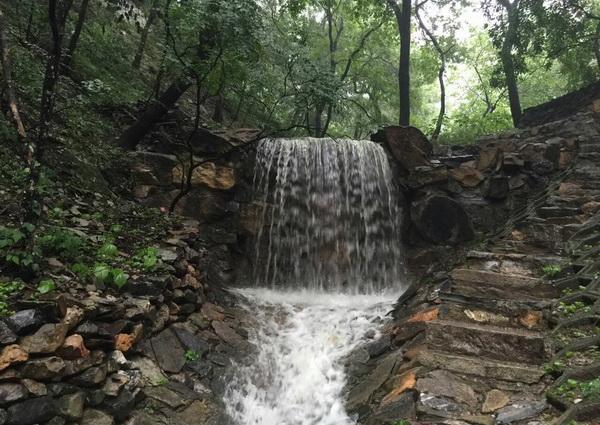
(551, 270)
(106, 274)
(46, 286)
(8, 290)
(573, 308)
(146, 258)
(573, 389)
(62, 243)
(191, 355)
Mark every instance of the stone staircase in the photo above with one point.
(511, 334)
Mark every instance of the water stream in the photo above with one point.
(327, 268)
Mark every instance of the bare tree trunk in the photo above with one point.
(10, 92)
(76, 34)
(157, 109)
(403, 14)
(139, 55)
(28, 33)
(597, 44)
(508, 62)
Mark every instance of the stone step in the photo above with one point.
(496, 313)
(589, 147)
(558, 211)
(476, 282)
(468, 365)
(487, 341)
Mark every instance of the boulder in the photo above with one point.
(467, 176)
(409, 146)
(12, 354)
(442, 220)
(168, 351)
(7, 336)
(209, 174)
(33, 411)
(26, 321)
(11, 392)
(96, 417)
(47, 339)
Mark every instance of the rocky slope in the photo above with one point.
(509, 334)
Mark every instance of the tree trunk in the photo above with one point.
(403, 22)
(139, 55)
(157, 109)
(76, 34)
(10, 92)
(597, 44)
(508, 62)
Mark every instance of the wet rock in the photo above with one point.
(7, 336)
(496, 188)
(166, 396)
(198, 412)
(168, 351)
(120, 407)
(408, 145)
(441, 220)
(114, 383)
(26, 321)
(380, 346)
(70, 406)
(73, 348)
(12, 354)
(228, 335)
(519, 412)
(150, 371)
(494, 400)
(3, 416)
(43, 369)
(91, 377)
(190, 340)
(46, 340)
(33, 411)
(361, 393)
(444, 384)
(11, 392)
(402, 383)
(402, 407)
(96, 417)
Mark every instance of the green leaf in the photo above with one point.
(108, 250)
(46, 286)
(29, 227)
(119, 278)
(101, 272)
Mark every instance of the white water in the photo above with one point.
(297, 376)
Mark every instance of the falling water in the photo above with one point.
(327, 266)
(330, 218)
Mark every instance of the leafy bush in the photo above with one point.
(551, 270)
(7, 290)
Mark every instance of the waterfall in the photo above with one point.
(327, 266)
(330, 217)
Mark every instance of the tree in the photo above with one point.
(402, 14)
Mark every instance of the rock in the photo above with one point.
(43, 369)
(33, 411)
(70, 406)
(91, 377)
(212, 312)
(73, 348)
(7, 336)
(519, 412)
(114, 383)
(496, 188)
(494, 400)
(404, 382)
(228, 335)
(73, 367)
(400, 408)
(467, 176)
(489, 158)
(426, 315)
(168, 351)
(427, 175)
(151, 372)
(73, 317)
(124, 342)
(378, 347)
(199, 412)
(531, 319)
(12, 354)
(190, 340)
(208, 174)
(26, 321)
(120, 407)
(441, 383)
(11, 392)
(408, 145)
(46, 340)
(442, 220)
(359, 395)
(35, 388)
(591, 207)
(166, 396)
(512, 163)
(3, 416)
(96, 417)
